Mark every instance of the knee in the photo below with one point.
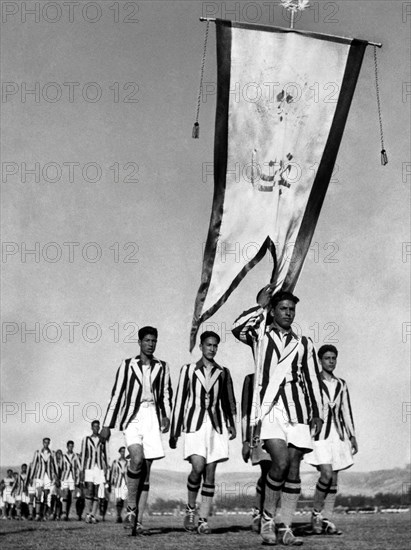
(136, 464)
(196, 472)
(279, 469)
(326, 476)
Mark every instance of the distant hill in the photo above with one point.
(168, 485)
(172, 485)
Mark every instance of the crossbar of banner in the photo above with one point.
(377, 44)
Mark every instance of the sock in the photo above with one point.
(143, 501)
(95, 506)
(207, 494)
(119, 507)
(192, 489)
(289, 500)
(272, 495)
(329, 502)
(260, 494)
(80, 504)
(133, 480)
(321, 490)
(89, 505)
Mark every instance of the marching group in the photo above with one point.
(304, 412)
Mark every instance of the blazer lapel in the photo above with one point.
(155, 370)
(136, 367)
(215, 375)
(199, 373)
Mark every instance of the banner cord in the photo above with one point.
(196, 127)
(384, 157)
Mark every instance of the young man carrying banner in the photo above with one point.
(205, 409)
(141, 403)
(290, 403)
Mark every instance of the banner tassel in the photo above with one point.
(384, 157)
(196, 128)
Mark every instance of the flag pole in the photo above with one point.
(369, 43)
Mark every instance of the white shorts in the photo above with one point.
(8, 499)
(331, 451)
(276, 425)
(68, 485)
(101, 491)
(207, 442)
(31, 490)
(144, 431)
(25, 499)
(121, 492)
(95, 476)
(44, 483)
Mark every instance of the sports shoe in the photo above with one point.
(203, 527)
(316, 522)
(139, 529)
(93, 519)
(329, 528)
(119, 519)
(130, 518)
(256, 520)
(267, 530)
(189, 519)
(287, 537)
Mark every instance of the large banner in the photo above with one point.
(282, 103)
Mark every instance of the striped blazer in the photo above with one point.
(19, 486)
(299, 391)
(41, 465)
(93, 453)
(118, 473)
(337, 410)
(194, 399)
(71, 467)
(128, 387)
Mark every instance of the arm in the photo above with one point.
(246, 326)
(312, 379)
(117, 395)
(166, 399)
(32, 469)
(348, 418)
(246, 398)
(83, 458)
(229, 404)
(177, 416)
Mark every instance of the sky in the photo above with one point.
(102, 181)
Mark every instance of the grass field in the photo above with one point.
(361, 532)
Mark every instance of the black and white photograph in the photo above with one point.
(205, 274)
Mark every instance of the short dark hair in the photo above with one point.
(325, 348)
(121, 448)
(209, 334)
(70, 442)
(95, 422)
(147, 330)
(283, 295)
(46, 439)
(24, 464)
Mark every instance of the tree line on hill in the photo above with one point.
(237, 503)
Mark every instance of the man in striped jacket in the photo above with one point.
(205, 409)
(140, 403)
(94, 469)
(70, 478)
(118, 481)
(290, 403)
(43, 473)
